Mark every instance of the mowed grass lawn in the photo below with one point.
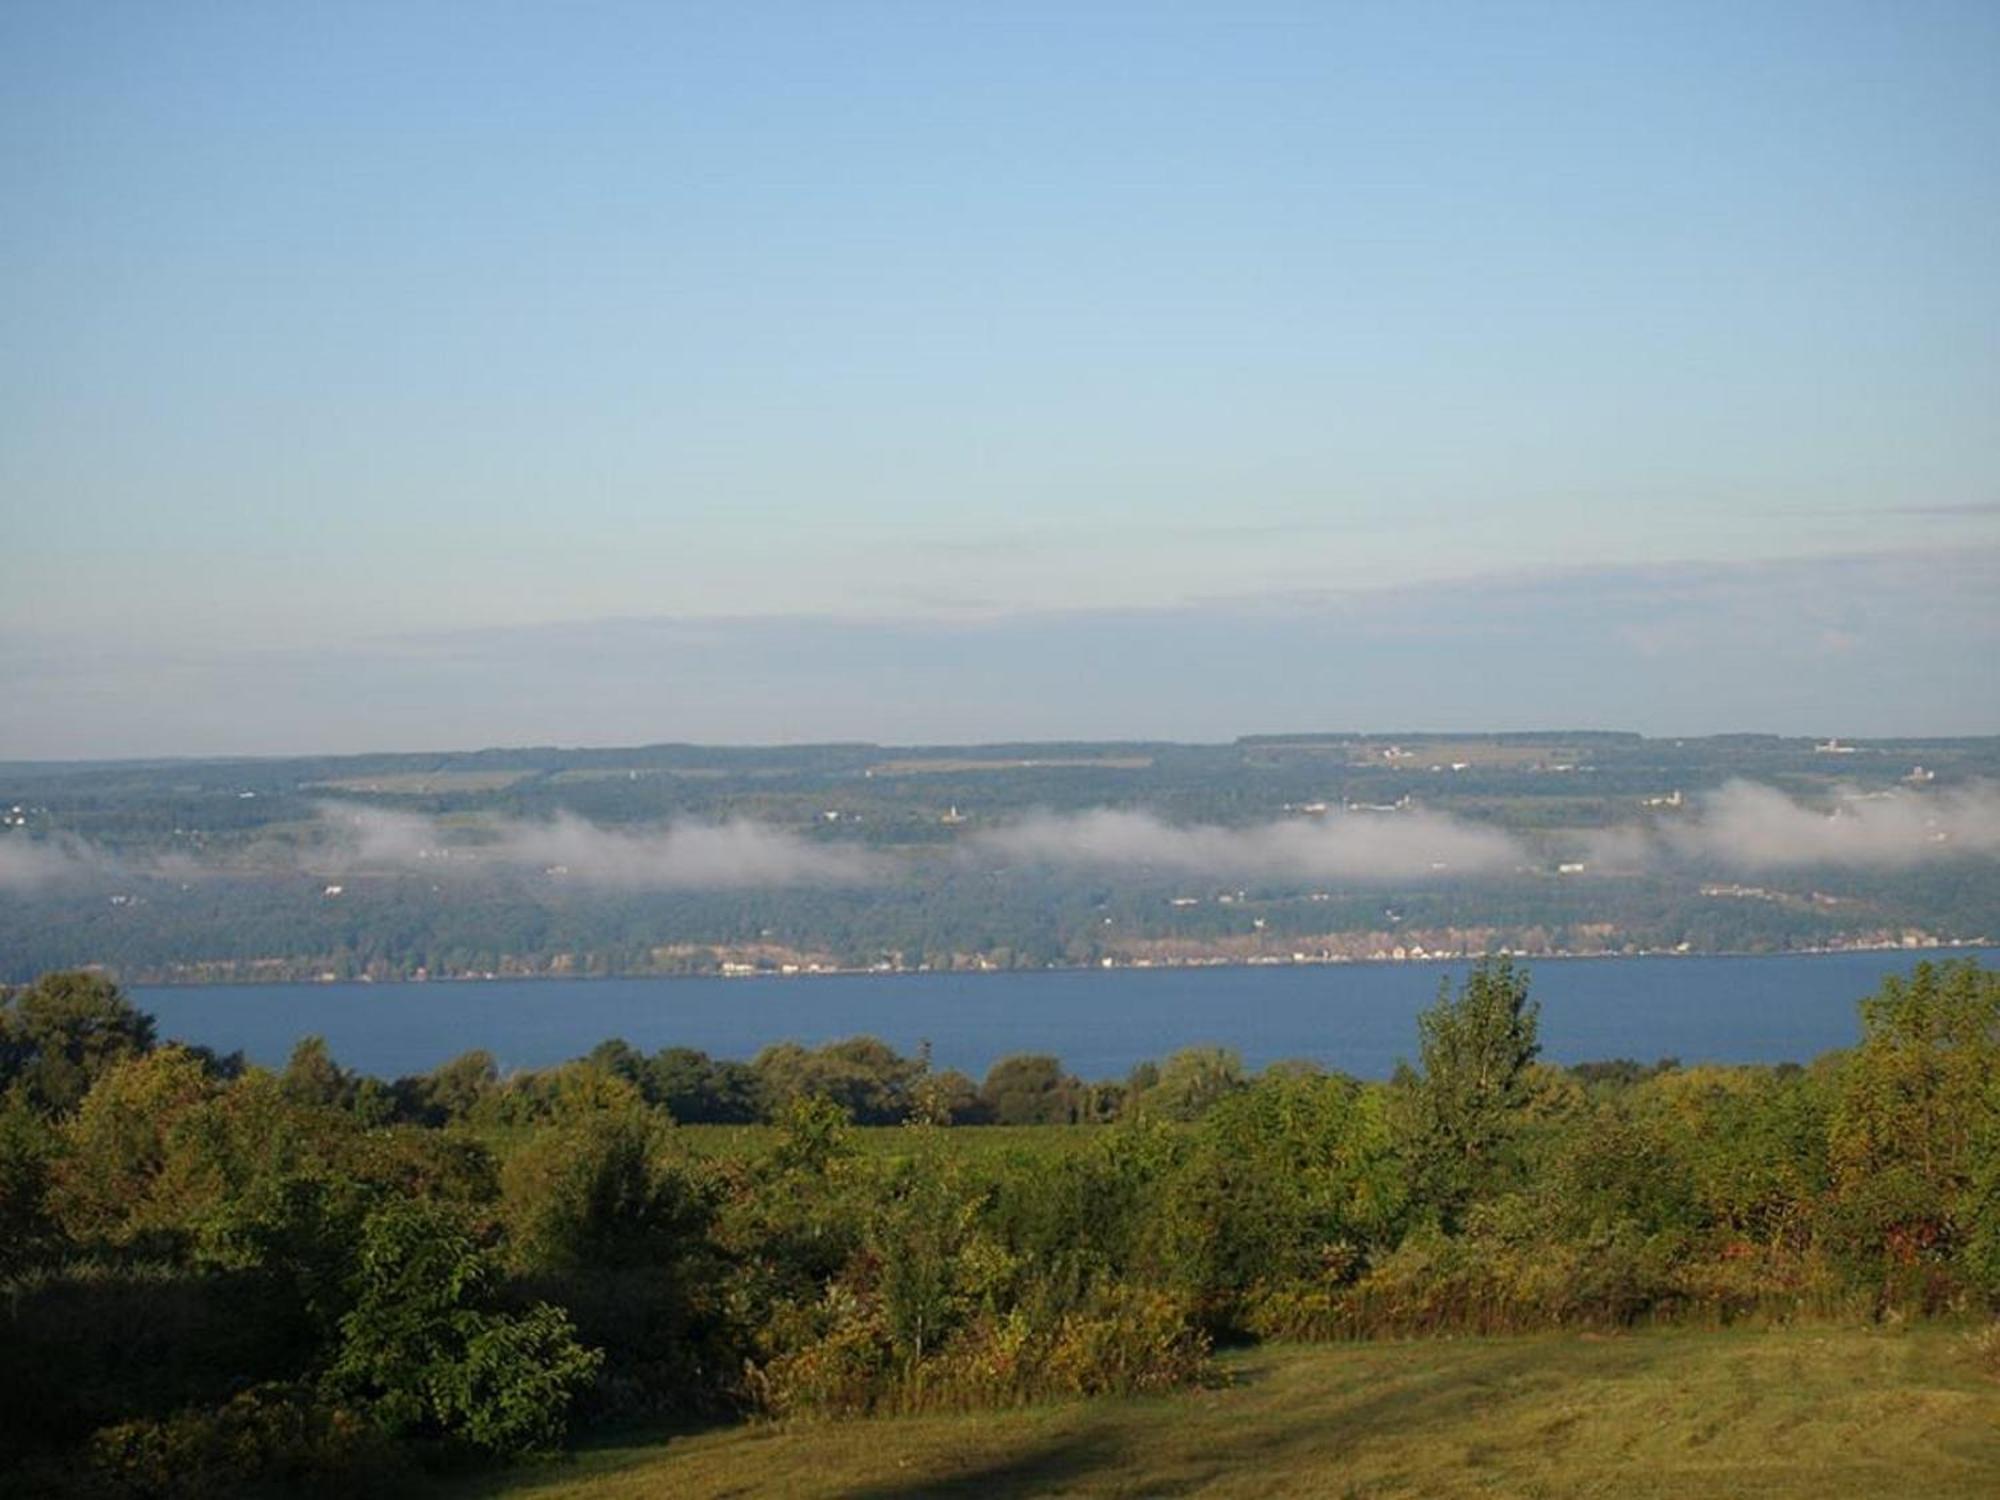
(1806, 1412)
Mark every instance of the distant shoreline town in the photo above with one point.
(267, 971)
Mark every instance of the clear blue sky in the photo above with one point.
(442, 372)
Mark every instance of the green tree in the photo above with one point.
(1460, 1113)
(921, 1219)
(697, 1090)
(311, 1075)
(1754, 1144)
(948, 1097)
(814, 1135)
(61, 1033)
(862, 1075)
(597, 1189)
(1028, 1089)
(1192, 1082)
(117, 1147)
(1293, 1179)
(621, 1058)
(1915, 1115)
(424, 1350)
(452, 1090)
(27, 1158)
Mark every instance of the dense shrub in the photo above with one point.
(1121, 1341)
(1293, 1181)
(1130, 1340)
(605, 1219)
(267, 1441)
(424, 1353)
(27, 1163)
(86, 1344)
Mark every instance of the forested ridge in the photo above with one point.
(224, 1278)
(672, 859)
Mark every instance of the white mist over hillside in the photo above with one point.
(31, 864)
(1741, 825)
(1757, 827)
(1396, 846)
(737, 853)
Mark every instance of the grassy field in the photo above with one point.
(955, 765)
(1818, 1413)
(425, 783)
(972, 1142)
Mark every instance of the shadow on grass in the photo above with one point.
(1285, 1424)
(1046, 1470)
(599, 1452)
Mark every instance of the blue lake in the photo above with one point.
(1360, 1018)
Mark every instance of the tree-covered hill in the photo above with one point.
(679, 858)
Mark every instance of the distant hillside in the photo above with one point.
(1289, 847)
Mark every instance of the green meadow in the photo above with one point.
(1807, 1412)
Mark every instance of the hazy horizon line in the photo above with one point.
(1330, 736)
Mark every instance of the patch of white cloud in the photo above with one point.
(1337, 846)
(1629, 850)
(367, 835)
(1753, 826)
(739, 853)
(34, 864)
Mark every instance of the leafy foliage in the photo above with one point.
(424, 1351)
(1463, 1110)
(216, 1278)
(63, 1032)
(1916, 1104)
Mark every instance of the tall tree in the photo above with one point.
(1915, 1119)
(1460, 1112)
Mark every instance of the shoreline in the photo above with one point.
(1941, 946)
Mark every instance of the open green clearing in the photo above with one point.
(894, 1142)
(1794, 1412)
(439, 783)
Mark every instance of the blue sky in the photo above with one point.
(469, 374)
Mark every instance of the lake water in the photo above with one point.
(1356, 1017)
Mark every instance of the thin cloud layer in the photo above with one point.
(1743, 825)
(1397, 846)
(737, 853)
(1754, 826)
(1668, 649)
(28, 864)
(367, 835)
